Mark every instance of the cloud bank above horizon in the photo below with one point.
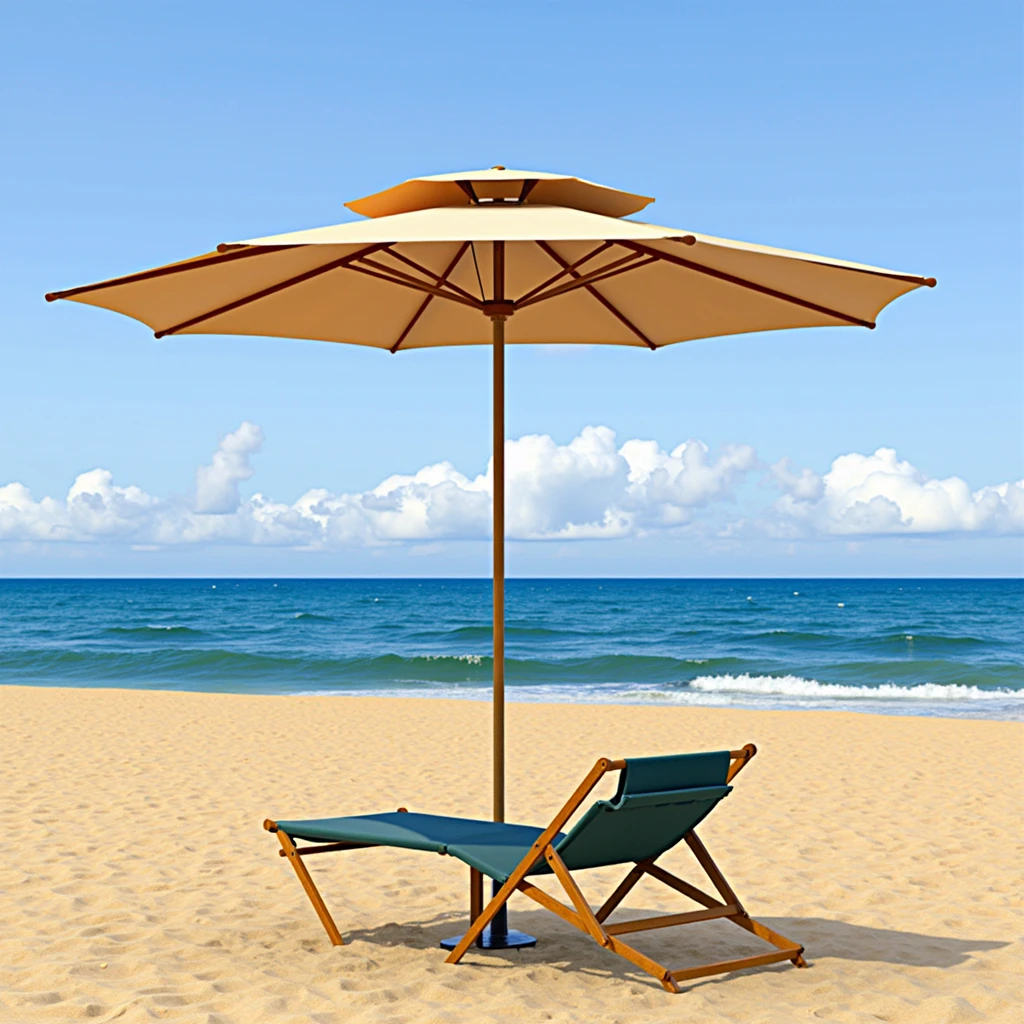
(592, 488)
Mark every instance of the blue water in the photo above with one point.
(936, 647)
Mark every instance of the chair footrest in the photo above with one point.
(724, 966)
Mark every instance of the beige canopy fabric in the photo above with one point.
(422, 278)
(499, 184)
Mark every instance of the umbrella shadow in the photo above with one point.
(562, 947)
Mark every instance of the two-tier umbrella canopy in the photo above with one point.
(498, 257)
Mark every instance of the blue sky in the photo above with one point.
(888, 134)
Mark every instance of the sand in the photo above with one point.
(138, 884)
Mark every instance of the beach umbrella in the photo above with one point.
(498, 257)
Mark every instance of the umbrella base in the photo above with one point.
(497, 935)
(499, 940)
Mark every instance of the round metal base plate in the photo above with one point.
(508, 940)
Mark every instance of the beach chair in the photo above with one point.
(658, 804)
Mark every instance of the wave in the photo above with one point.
(797, 686)
(791, 636)
(312, 617)
(580, 671)
(905, 641)
(189, 665)
(615, 678)
(149, 631)
(937, 640)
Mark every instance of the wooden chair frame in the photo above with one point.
(579, 914)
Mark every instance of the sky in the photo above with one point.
(138, 134)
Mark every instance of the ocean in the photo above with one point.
(920, 647)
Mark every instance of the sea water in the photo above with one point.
(931, 647)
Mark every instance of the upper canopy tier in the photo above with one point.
(499, 186)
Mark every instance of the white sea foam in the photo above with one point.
(764, 692)
(796, 686)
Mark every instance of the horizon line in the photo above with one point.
(488, 579)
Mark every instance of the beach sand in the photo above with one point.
(139, 885)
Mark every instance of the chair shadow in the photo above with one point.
(823, 937)
(564, 948)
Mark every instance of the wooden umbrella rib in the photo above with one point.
(565, 270)
(617, 313)
(439, 279)
(467, 187)
(271, 290)
(528, 186)
(399, 277)
(620, 266)
(926, 282)
(430, 298)
(742, 282)
(179, 268)
(406, 281)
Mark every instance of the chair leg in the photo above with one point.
(476, 897)
(476, 928)
(476, 893)
(593, 926)
(586, 921)
(743, 919)
(311, 890)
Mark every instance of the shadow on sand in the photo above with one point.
(562, 947)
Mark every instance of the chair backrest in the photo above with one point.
(659, 800)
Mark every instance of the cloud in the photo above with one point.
(881, 494)
(217, 484)
(802, 485)
(590, 488)
(94, 508)
(666, 487)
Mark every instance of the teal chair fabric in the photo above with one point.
(659, 800)
(494, 848)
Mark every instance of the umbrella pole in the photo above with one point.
(498, 541)
(497, 935)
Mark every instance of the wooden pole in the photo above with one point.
(498, 441)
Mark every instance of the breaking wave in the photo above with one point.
(795, 686)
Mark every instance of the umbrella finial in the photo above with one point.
(498, 167)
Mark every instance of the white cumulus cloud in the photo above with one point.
(217, 484)
(883, 494)
(590, 488)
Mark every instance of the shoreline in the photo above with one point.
(854, 705)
